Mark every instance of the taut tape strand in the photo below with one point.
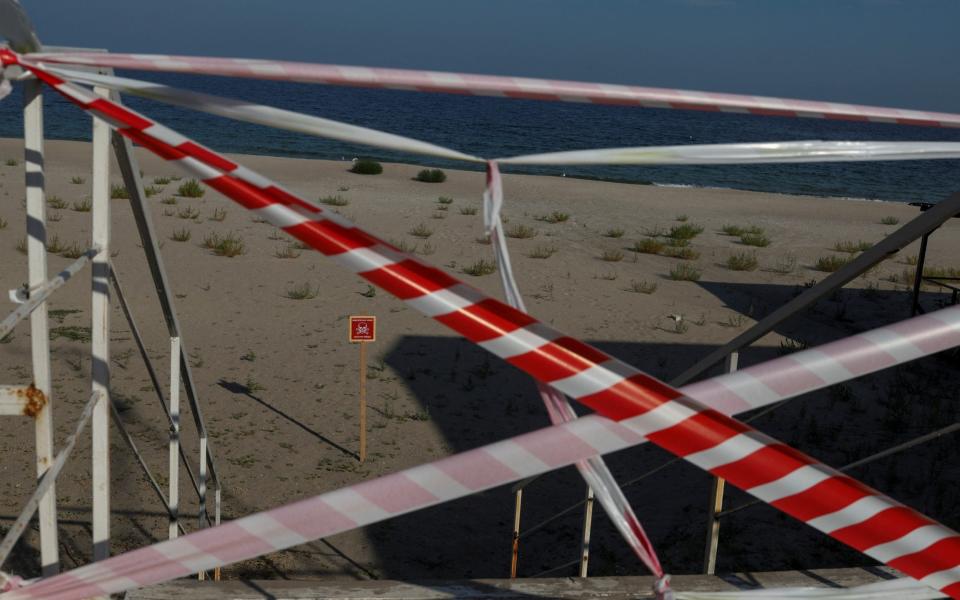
(692, 154)
(507, 87)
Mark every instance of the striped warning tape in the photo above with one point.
(492, 465)
(507, 87)
(688, 154)
(772, 471)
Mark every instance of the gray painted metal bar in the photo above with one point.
(130, 171)
(151, 372)
(918, 275)
(33, 298)
(925, 223)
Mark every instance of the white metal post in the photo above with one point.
(716, 501)
(39, 332)
(174, 495)
(100, 313)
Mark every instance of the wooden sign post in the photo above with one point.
(363, 329)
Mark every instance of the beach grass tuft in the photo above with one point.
(77, 180)
(188, 213)
(161, 180)
(554, 217)
(152, 190)
(684, 272)
(337, 200)
(228, 245)
(74, 250)
(612, 255)
(286, 251)
(219, 214)
(468, 210)
(648, 246)
(421, 231)
(760, 240)
(738, 230)
(55, 201)
(480, 267)
(366, 166)
(118, 191)
(542, 252)
(431, 176)
(889, 220)
(614, 232)
(191, 188)
(683, 253)
(829, 264)
(742, 261)
(445, 200)
(303, 291)
(686, 231)
(54, 245)
(520, 231)
(852, 247)
(22, 245)
(83, 205)
(641, 287)
(610, 275)
(180, 235)
(785, 264)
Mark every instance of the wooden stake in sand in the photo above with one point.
(363, 329)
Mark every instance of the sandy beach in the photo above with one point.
(278, 380)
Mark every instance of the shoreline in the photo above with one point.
(519, 170)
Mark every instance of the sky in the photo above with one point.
(901, 53)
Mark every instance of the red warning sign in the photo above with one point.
(363, 329)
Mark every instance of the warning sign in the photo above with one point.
(363, 329)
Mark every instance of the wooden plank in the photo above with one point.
(613, 588)
(716, 499)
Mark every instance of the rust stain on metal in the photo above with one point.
(35, 400)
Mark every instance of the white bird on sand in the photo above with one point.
(676, 318)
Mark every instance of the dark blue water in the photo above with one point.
(496, 127)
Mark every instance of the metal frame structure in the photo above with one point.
(929, 220)
(35, 400)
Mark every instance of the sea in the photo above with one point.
(500, 127)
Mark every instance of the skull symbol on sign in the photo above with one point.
(363, 329)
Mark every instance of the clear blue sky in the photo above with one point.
(892, 52)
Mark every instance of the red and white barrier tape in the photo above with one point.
(834, 503)
(692, 154)
(493, 465)
(507, 87)
(594, 470)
